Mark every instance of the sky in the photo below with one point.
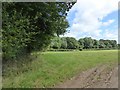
(93, 18)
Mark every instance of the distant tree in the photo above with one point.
(88, 42)
(72, 43)
(107, 44)
(118, 46)
(63, 43)
(113, 43)
(101, 45)
(110, 46)
(56, 43)
(81, 43)
(96, 44)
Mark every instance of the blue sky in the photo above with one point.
(94, 18)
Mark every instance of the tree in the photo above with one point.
(88, 42)
(56, 43)
(72, 43)
(81, 43)
(28, 27)
(118, 46)
(96, 44)
(61, 26)
(113, 43)
(107, 44)
(102, 45)
(63, 43)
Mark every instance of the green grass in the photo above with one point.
(51, 68)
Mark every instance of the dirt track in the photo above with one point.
(98, 77)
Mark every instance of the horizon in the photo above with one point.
(95, 19)
(91, 37)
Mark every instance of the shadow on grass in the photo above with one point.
(18, 66)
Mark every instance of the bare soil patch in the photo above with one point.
(102, 76)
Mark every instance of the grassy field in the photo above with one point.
(50, 68)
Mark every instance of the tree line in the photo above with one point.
(82, 43)
(29, 26)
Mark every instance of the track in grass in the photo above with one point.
(102, 76)
(50, 68)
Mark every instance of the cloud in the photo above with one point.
(108, 22)
(88, 17)
(111, 34)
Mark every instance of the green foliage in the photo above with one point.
(72, 43)
(96, 44)
(113, 43)
(83, 43)
(63, 43)
(56, 43)
(29, 26)
(88, 42)
(102, 45)
(118, 46)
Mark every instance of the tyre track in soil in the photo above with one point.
(98, 77)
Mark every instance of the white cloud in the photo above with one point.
(88, 17)
(111, 34)
(108, 22)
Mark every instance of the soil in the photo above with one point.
(98, 77)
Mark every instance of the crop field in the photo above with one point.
(51, 68)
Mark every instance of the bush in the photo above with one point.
(80, 49)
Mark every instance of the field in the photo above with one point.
(50, 68)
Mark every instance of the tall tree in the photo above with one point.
(102, 45)
(63, 43)
(29, 26)
(113, 43)
(96, 44)
(56, 43)
(81, 43)
(88, 42)
(72, 43)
